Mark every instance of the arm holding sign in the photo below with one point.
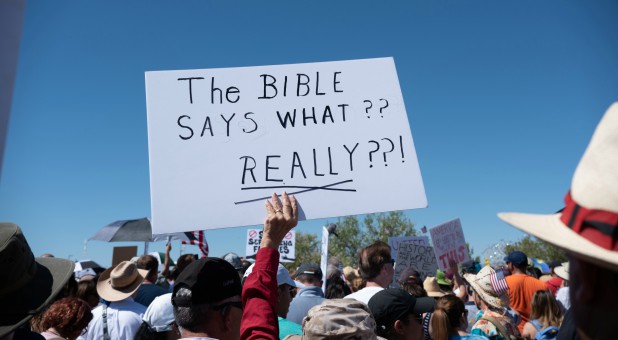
(458, 282)
(259, 294)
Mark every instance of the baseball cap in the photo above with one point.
(310, 269)
(283, 276)
(390, 305)
(517, 258)
(233, 259)
(209, 279)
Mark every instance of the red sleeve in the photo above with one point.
(259, 298)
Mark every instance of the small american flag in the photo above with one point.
(197, 238)
(498, 283)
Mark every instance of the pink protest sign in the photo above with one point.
(449, 243)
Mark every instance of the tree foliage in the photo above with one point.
(353, 236)
(536, 248)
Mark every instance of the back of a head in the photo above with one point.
(447, 317)
(371, 259)
(545, 308)
(336, 288)
(149, 263)
(68, 316)
(182, 262)
(339, 319)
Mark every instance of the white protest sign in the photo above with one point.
(221, 141)
(416, 256)
(286, 248)
(449, 243)
(393, 242)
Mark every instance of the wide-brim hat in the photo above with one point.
(28, 284)
(432, 288)
(586, 225)
(481, 284)
(120, 282)
(563, 271)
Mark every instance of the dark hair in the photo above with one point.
(86, 289)
(182, 262)
(144, 332)
(446, 317)
(149, 263)
(336, 288)
(308, 278)
(69, 316)
(414, 289)
(372, 258)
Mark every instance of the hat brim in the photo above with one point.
(495, 301)
(563, 274)
(50, 278)
(550, 228)
(108, 293)
(424, 305)
(435, 294)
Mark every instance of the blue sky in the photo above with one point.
(502, 99)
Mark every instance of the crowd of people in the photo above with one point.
(228, 298)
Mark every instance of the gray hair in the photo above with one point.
(192, 318)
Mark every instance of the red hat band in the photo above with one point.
(597, 226)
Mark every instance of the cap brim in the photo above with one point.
(50, 278)
(563, 274)
(424, 305)
(550, 228)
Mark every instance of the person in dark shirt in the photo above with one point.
(148, 291)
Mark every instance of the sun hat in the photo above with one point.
(587, 225)
(28, 283)
(409, 275)
(431, 287)
(391, 304)
(233, 259)
(283, 276)
(338, 319)
(481, 284)
(350, 273)
(563, 271)
(118, 283)
(209, 279)
(160, 314)
(517, 258)
(441, 278)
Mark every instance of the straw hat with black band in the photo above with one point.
(120, 282)
(28, 283)
(588, 225)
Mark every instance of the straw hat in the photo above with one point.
(120, 282)
(481, 283)
(590, 218)
(563, 271)
(432, 288)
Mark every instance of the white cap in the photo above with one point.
(283, 276)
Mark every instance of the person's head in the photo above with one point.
(517, 262)
(68, 316)
(338, 319)
(398, 314)
(182, 262)
(206, 300)
(546, 309)
(28, 284)
(445, 284)
(87, 291)
(376, 263)
(151, 264)
(336, 288)
(487, 294)
(309, 274)
(158, 320)
(449, 316)
(235, 261)
(285, 289)
(120, 282)
(432, 288)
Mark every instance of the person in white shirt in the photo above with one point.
(118, 317)
(377, 267)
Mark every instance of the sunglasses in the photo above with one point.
(226, 305)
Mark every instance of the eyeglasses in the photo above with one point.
(224, 306)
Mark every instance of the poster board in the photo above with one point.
(393, 242)
(449, 243)
(417, 256)
(221, 141)
(125, 253)
(287, 247)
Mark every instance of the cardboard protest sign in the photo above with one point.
(417, 256)
(125, 253)
(449, 243)
(393, 242)
(286, 248)
(221, 141)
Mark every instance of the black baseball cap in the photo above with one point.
(209, 280)
(310, 269)
(391, 304)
